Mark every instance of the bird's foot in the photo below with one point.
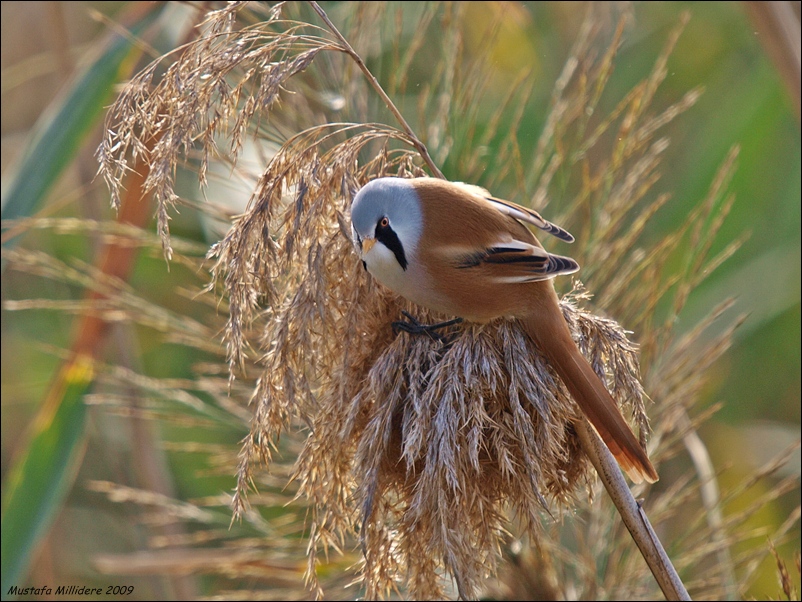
(413, 326)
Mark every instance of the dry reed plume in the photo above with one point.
(438, 457)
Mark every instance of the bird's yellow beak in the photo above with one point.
(367, 244)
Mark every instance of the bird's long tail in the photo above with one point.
(553, 338)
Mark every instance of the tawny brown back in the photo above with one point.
(460, 223)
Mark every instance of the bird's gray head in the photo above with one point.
(387, 222)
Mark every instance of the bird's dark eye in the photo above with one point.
(384, 223)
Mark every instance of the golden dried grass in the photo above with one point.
(438, 457)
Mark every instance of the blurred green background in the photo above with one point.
(745, 102)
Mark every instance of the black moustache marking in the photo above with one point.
(387, 236)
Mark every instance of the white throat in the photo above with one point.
(384, 267)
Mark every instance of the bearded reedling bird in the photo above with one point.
(455, 249)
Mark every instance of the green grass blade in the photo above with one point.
(61, 130)
(42, 474)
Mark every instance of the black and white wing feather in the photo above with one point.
(516, 262)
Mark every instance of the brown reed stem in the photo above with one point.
(632, 514)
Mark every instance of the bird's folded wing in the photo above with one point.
(530, 216)
(524, 214)
(514, 261)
